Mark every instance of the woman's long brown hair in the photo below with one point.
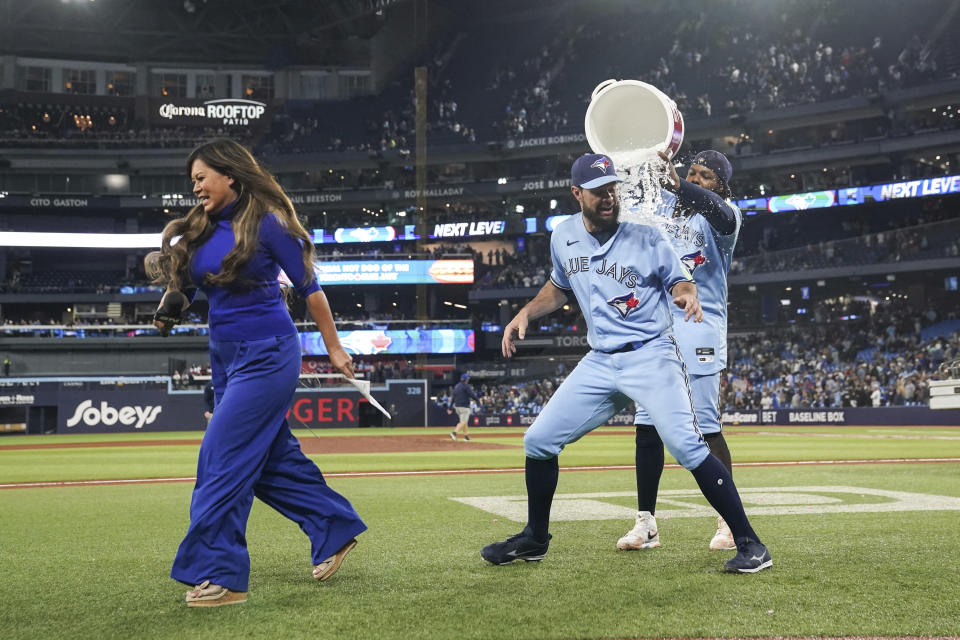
(258, 193)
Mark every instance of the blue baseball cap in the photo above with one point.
(716, 162)
(593, 170)
(465, 376)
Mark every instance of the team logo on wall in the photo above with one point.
(625, 303)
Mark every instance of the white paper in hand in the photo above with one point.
(363, 386)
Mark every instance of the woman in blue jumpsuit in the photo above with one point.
(232, 246)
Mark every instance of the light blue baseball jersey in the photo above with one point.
(622, 286)
(707, 254)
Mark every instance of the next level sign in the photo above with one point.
(463, 229)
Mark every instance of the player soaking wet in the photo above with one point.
(624, 276)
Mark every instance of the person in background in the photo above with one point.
(208, 399)
(462, 393)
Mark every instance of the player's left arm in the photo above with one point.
(685, 296)
(320, 311)
(711, 206)
(692, 197)
(676, 278)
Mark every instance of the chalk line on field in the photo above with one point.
(757, 501)
(448, 472)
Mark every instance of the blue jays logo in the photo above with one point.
(601, 163)
(693, 260)
(625, 303)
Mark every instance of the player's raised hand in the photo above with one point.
(519, 326)
(690, 303)
(671, 179)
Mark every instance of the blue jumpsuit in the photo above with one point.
(248, 449)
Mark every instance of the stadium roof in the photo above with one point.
(275, 33)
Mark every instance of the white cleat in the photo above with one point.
(644, 534)
(723, 538)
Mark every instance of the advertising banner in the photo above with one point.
(395, 272)
(120, 410)
(853, 416)
(230, 112)
(371, 342)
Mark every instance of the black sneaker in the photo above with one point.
(453, 435)
(522, 546)
(751, 557)
(467, 438)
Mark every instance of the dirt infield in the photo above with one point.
(391, 444)
(309, 444)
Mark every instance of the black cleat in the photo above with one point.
(751, 557)
(522, 546)
(467, 438)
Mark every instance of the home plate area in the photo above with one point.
(758, 501)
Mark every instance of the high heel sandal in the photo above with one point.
(328, 567)
(213, 595)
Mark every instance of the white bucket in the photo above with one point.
(626, 116)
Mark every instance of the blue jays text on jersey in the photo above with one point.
(622, 287)
(624, 276)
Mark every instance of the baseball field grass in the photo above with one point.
(866, 549)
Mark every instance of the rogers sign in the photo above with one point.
(229, 112)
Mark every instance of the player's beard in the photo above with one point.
(604, 223)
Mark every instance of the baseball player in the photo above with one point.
(462, 392)
(624, 277)
(703, 230)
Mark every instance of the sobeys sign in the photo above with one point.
(234, 112)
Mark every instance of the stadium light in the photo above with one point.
(80, 240)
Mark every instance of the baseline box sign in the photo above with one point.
(234, 112)
(849, 416)
(395, 272)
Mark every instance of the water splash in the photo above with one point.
(641, 199)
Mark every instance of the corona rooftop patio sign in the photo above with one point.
(229, 112)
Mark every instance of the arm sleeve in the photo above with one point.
(671, 269)
(285, 249)
(715, 209)
(558, 276)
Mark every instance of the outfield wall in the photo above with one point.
(854, 416)
(151, 404)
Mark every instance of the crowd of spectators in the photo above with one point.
(97, 127)
(879, 360)
(513, 271)
(728, 57)
(524, 398)
(97, 282)
(925, 241)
